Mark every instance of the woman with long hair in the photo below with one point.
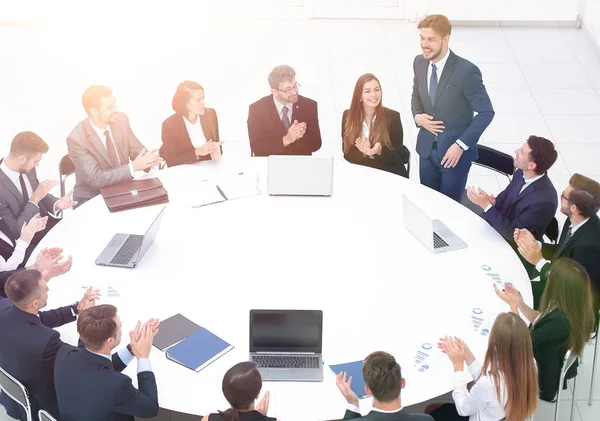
(505, 385)
(241, 385)
(565, 320)
(192, 133)
(371, 133)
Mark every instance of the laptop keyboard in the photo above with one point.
(128, 249)
(438, 242)
(286, 361)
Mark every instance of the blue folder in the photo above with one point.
(198, 350)
(353, 369)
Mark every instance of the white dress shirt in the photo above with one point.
(102, 137)
(481, 403)
(528, 182)
(16, 257)
(280, 106)
(356, 409)
(574, 228)
(127, 357)
(195, 132)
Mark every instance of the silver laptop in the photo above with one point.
(433, 233)
(126, 250)
(287, 344)
(300, 175)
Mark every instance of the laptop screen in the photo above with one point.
(286, 330)
(151, 234)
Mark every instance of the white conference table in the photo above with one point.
(348, 255)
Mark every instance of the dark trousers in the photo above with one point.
(448, 181)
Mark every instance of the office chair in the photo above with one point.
(44, 416)
(407, 156)
(590, 402)
(570, 358)
(495, 160)
(65, 169)
(16, 391)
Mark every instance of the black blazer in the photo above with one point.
(90, 387)
(177, 147)
(6, 249)
(266, 130)
(28, 347)
(533, 209)
(549, 338)
(390, 160)
(4, 277)
(380, 416)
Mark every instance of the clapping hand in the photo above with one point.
(527, 246)
(89, 299)
(344, 386)
(263, 405)
(454, 350)
(30, 228)
(65, 202)
(479, 197)
(511, 296)
(141, 338)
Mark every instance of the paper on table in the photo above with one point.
(205, 193)
(238, 186)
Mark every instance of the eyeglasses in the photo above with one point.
(566, 198)
(296, 87)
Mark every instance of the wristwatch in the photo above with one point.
(74, 307)
(129, 349)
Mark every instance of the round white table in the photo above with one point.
(348, 255)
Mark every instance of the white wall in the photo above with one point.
(591, 20)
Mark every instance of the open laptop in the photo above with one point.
(433, 233)
(126, 250)
(287, 344)
(294, 175)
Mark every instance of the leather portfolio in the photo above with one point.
(134, 194)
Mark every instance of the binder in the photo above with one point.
(353, 369)
(198, 350)
(134, 194)
(173, 330)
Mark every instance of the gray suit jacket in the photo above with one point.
(12, 210)
(92, 165)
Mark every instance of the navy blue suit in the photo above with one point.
(91, 387)
(532, 209)
(28, 347)
(460, 92)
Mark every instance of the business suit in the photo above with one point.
(6, 248)
(532, 209)
(177, 147)
(28, 347)
(380, 416)
(91, 387)
(4, 275)
(14, 211)
(460, 92)
(266, 130)
(93, 168)
(390, 160)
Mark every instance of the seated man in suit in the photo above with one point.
(89, 386)
(384, 381)
(28, 342)
(530, 200)
(284, 123)
(579, 239)
(21, 194)
(102, 145)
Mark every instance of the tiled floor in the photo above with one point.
(541, 81)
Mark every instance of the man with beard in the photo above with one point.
(284, 123)
(447, 91)
(579, 239)
(103, 147)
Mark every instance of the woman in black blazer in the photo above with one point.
(192, 133)
(372, 134)
(564, 321)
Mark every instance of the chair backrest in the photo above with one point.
(495, 160)
(16, 391)
(552, 230)
(407, 155)
(44, 416)
(65, 169)
(568, 361)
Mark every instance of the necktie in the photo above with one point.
(433, 82)
(563, 242)
(285, 119)
(23, 189)
(112, 151)
(519, 185)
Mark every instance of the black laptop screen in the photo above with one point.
(286, 330)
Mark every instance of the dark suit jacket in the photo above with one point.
(6, 248)
(4, 277)
(12, 209)
(380, 416)
(28, 347)
(93, 169)
(266, 131)
(177, 147)
(533, 209)
(460, 92)
(390, 160)
(90, 387)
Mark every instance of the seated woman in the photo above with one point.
(505, 386)
(372, 134)
(13, 254)
(241, 386)
(192, 133)
(564, 321)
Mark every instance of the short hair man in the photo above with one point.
(28, 342)
(384, 381)
(530, 200)
(91, 386)
(103, 147)
(284, 123)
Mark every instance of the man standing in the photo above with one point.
(284, 123)
(447, 91)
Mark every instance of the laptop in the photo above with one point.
(287, 344)
(127, 250)
(433, 233)
(293, 175)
